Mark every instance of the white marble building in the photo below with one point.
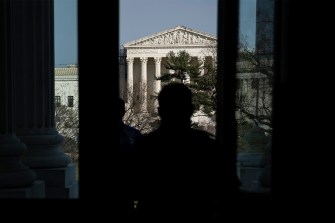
(66, 86)
(146, 58)
(66, 94)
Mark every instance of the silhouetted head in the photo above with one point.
(175, 104)
(122, 108)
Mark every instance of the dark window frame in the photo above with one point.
(227, 45)
(58, 101)
(70, 101)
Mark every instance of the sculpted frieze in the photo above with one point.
(176, 37)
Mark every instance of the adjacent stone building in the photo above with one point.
(66, 85)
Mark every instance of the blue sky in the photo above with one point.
(139, 18)
(66, 29)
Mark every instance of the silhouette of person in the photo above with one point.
(178, 167)
(128, 136)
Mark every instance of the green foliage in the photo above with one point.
(204, 92)
(181, 65)
(202, 86)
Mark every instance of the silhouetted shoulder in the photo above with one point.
(203, 134)
(174, 138)
(128, 137)
(133, 131)
(199, 138)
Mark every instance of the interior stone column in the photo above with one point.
(130, 80)
(33, 56)
(144, 83)
(13, 173)
(201, 61)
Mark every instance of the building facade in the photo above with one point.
(67, 108)
(141, 60)
(66, 85)
(146, 57)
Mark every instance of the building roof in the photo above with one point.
(66, 70)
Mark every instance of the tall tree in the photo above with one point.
(252, 105)
(186, 71)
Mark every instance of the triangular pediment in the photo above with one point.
(178, 35)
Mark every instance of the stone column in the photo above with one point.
(13, 173)
(33, 69)
(201, 61)
(144, 84)
(158, 61)
(130, 80)
(157, 85)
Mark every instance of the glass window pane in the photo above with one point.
(254, 94)
(187, 26)
(66, 75)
